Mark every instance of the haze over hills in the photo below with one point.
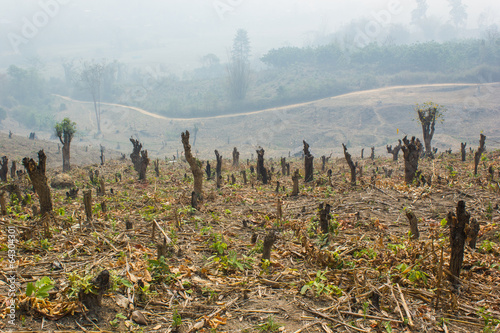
(361, 119)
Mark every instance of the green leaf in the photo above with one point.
(29, 289)
(43, 291)
(444, 222)
(120, 315)
(304, 289)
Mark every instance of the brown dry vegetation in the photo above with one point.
(366, 275)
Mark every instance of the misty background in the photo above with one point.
(195, 59)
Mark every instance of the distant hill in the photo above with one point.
(360, 119)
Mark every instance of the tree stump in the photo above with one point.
(479, 152)
(3, 204)
(351, 164)
(93, 299)
(36, 172)
(157, 167)
(459, 225)
(87, 203)
(324, 160)
(268, 244)
(13, 168)
(308, 163)
(411, 154)
(260, 163)
(195, 166)
(4, 168)
(413, 224)
(362, 152)
(236, 158)
(295, 179)
(324, 218)
(244, 174)
(372, 155)
(102, 155)
(218, 169)
(102, 187)
(208, 171)
(288, 169)
(463, 151)
(394, 151)
(283, 166)
(139, 158)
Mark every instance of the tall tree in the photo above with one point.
(428, 113)
(65, 131)
(239, 66)
(419, 13)
(458, 13)
(92, 77)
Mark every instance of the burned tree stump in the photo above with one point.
(308, 163)
(283, 166)
(288, 169)
(4, 168)
(324, 218)
(268, 244)
(458, 224)
(362, 152)
(479, 152)
(102, 155)
(102, 187)
(36, 172)
(87, 203)
(244, 174)
(472, 232)
(218, 168)
(13, 168)
(394, 151)
(413, 224)
(351, 164)
(463, 151)
(208, 171)
(372, 155)
(92, 299)
(236, 158)
(3, 204)
(411, 154)
(72, 193)
(260, 162)
(295, 179)
(139, 158)
(195, 166)
(265, 176)
(156, 163)
(324, 160)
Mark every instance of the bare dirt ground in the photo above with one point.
(364, 275)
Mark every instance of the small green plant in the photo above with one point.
(320, 285)
(491, 324)
(160, 271)
(80, 283)
(487, 246)
(41, 287)
(114, 322)
(370, 253)
(413, 274)
(218, 244)
(45, 244)
(176, 319)
(270, 325)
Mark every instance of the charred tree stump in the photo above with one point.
(233, 179)
(3, 204)
(463, 151)
(139, 158)
(458, 224)
(479, 152)
(102, 155)
(208, 171)
(362, 152)
(472, 233)
(4, 168)
(394, 151)
(411, 154)
(324, 160)
(102, 187)
(244, 174)
(413, 224)
(351, 164)
(218, 168)
(372, 155)
(260, 163)
(10, 134)
(308, 163)
(265, 176)
(268, 244)
(93, 299)
(195, 166)
(13, 168)
(72, 193)
(288, 169)
(36, 172)
(156, 163)
(129, 225)
(87, 203)
(295, 179)
(283, 166)
(324, 218)
(236, 158)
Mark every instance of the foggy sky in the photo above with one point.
(179, 32)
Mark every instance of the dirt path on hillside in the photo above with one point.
(352, 94)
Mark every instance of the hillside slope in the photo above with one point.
(360, 119)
